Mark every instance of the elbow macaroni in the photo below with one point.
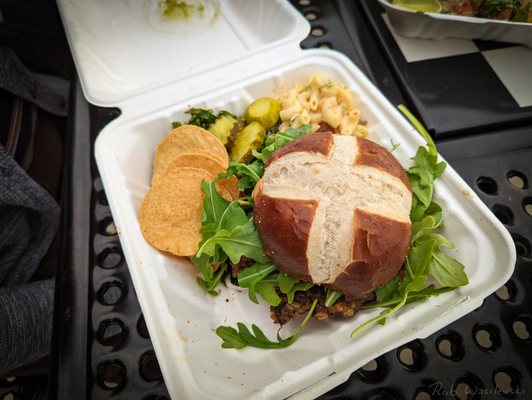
(321, 100)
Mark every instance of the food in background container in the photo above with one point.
(409, 22)
(503, 10)
(420, 5)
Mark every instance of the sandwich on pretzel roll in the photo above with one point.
(335, 210)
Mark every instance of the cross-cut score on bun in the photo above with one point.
(334, 210)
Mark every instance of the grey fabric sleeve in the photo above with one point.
(29, 217)
(26, 313)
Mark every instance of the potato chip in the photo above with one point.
(195, 159)
(187, 138)
(170, 214)
(228, 188)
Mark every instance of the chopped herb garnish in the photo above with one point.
(395, 146)
(202, 117)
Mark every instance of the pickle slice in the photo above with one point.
(248, 139)
(222, 127)
(433, 6)
(265, 111)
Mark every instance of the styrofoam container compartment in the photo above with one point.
(180, 316)
(410, 23)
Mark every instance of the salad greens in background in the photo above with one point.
(505, 10)
(228, 235)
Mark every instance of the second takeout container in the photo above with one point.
(410, 23)
(251, 50)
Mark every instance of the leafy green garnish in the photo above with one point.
(331, 297)
(298, 287)
(248, 174)
(238, 339)
(424, 293)
(227, 233)
(213, 282)
(265, 279)
(492, 8)
(230, 235)
(394, 147)
(277, 140)
(425, 257)
(521, 14)
(251, 276)
(286, 282)
(202, 117)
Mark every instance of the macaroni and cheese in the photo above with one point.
(321, 100)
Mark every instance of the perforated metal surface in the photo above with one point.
(122, 357)
(23, 388)
(485, 355)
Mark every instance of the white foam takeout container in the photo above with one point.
(250, 51)
(410, 23)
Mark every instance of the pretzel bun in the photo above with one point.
(335, 210)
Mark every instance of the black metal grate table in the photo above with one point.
(102, 349)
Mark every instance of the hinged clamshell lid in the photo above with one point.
(124, 48)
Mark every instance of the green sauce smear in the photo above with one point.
(175, 10)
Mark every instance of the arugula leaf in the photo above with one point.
(428, 291)
(231, 338)
(250, 276)
(298, 287)
(213, 204)
(441, 241)
(331, 297)
(423, 174)
(264, 279)
(427, 166)
(418, 259)
(266, 289)
(226, 233)
(286, 282)
(277, 140)
(241, 240)
(248, 174)
(386, 291)
(243, 337)
(446, 270)
(210, 284)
